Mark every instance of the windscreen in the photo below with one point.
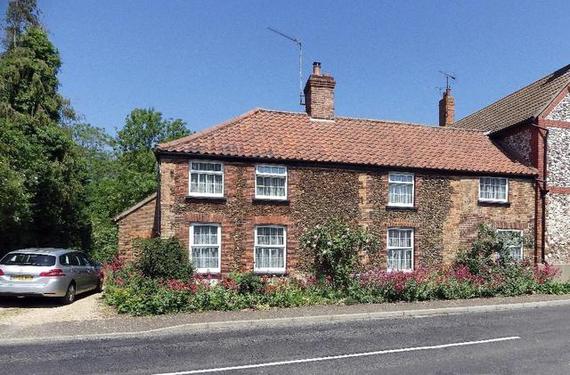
(21, 259)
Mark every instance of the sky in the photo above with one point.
(208, 61)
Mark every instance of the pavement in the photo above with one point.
(24, 320)
(523, 337)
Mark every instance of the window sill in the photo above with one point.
(198, 199)
(270, 273)
(277, 202)
(401, 208)
(493, 203)
(390, 270)
(213, 273)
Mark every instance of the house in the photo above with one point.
(239, 195)
(532, 125)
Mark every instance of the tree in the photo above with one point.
(122, 170)
(145, 128)
(20, 15)
(43, 199)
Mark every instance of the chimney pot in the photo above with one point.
(317, 68)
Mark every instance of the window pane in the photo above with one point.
(205, 235)
(493, 188)
(400, 259)
(271, 181)
(408, 178)
(203, 166)
(269, 257)
(206, 178)
(400, 251)
(401, 189)
(269, 169)
(205, 257)
(270, 236)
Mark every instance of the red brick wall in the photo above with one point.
(445, 218)
(141, 223)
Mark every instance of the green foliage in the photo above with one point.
(130, 292)
(20, 15)
(145, 128)
(335, 248)
(488, 250)
(247, 282)
(43, 201)
(163, 259)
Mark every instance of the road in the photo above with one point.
(526, 341)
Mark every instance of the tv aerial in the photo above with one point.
(299, 44)
(448, 76)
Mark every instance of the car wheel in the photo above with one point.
(99, 287)
(69, 295)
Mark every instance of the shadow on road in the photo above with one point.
(36, 302)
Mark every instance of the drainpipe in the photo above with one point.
(543, 189)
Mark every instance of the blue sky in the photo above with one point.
(206, 61)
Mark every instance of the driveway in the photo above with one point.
(32, 311)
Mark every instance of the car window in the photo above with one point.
(74, 260)
(21, 259)
(82, 260)
(65, 260)
(85, 261)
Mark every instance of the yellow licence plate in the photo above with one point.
(22, 278)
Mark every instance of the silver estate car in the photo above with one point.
(60, 273)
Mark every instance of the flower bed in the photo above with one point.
(130, 292)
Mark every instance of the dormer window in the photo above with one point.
(493, 189)
(271, 182)
(206, 179)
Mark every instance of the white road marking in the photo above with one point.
(342, 356)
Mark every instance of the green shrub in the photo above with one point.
(247, 282)
(486, 251)
(163, 259)
(335, 248)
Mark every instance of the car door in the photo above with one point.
(79, 272)
(91, 278)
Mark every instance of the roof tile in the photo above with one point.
(277, 135)
(519, 106)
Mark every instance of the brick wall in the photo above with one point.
(445, 218)
(140, 223)
(517, 142)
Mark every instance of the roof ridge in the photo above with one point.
(395, 122)
(135, 207)
(552, 98)
(514, 93)
(209, 130)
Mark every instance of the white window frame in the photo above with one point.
(263, 174)
(273, 270)
(413, 183)
(195, 194)
(522, 240)
(491, 200)
(388, 248)
(192, 244)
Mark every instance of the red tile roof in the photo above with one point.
(288, 136)
(519, 106)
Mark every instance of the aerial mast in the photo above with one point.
(300, 46)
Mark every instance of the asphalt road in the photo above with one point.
(529, 341)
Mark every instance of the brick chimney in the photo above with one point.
(446, 108)
(319, 94)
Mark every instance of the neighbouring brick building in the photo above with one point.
(532, 125)
(240, 194)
